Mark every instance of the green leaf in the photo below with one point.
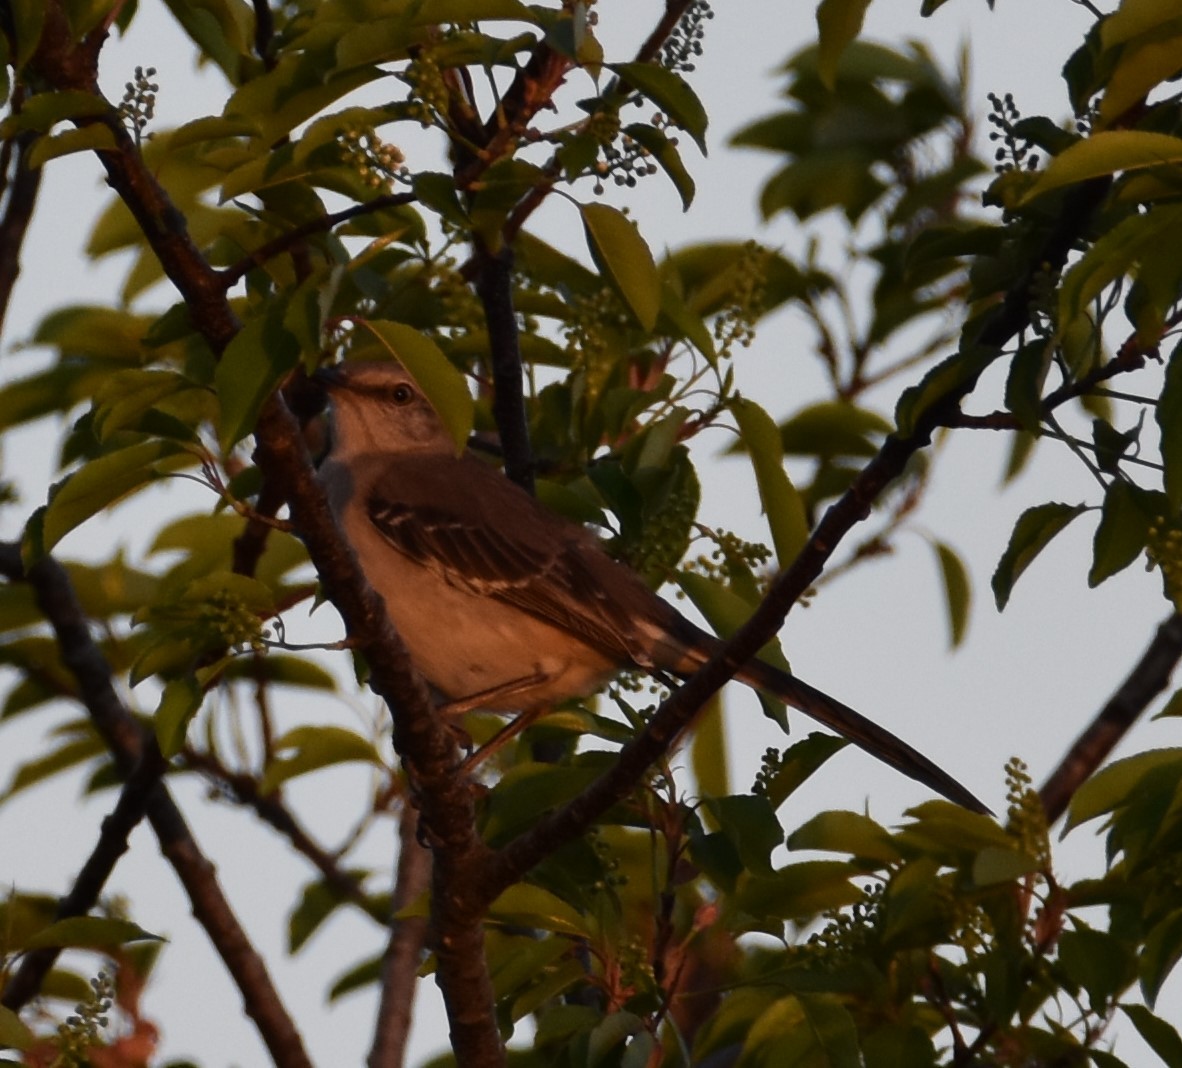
(833, 428)
(525, 905)
(623, 257)
(1113, 786)
(1161, 953)
(221, 29)
(125, 396)
(13, 1033)
(1144, 64)
(67, 755)
(846, 832)
(441, 383)
(800, 891)
(437, 191)
(89, 932)
(708, 750)
(838, 23)
(797, 765)
(1125, 519)
(726, 612)
(749, 821)
(993, 866)
(1168, 414)
(958, 591)
(671, 93)
(1105, 153)
(92, 138)
(252, 366)
(1032, 533)
(360, 975)
(101, 482)
(1161, 1037)
(42, 111)
(28, 17)
(179, 703)
(661, 149)
(318, 901)
(781, 503)
(948, 378)
(1098, 961)
(1114, 254)
(1024, 384)
(315, 748)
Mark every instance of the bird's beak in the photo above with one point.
(328, 378)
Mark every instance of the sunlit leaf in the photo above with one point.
(1105, 153)
(313, 748)
(671, 93)
(781, 503)
(838, 23)
(89, 932)
(441, 383)
(623, 257)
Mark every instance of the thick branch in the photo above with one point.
(426, 746)
(23, 182)
(1149, 678)
(494, 286)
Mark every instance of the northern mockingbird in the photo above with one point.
(502, 604)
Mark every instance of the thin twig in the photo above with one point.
(404, 950)
(237, 271)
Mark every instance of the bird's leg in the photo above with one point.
(496, 696)
(499, 740)
(485, 698)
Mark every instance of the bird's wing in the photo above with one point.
(507, 546)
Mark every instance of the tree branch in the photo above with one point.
(1149, 678)
(425, 745)
(494, 286)
(22, 183)
(404, 950)
(237, 271)
(131, 748)
(112, 843)
(272, 811)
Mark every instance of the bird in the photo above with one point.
(502, 604)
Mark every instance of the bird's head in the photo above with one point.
(377, 407)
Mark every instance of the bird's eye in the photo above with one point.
(402, 394)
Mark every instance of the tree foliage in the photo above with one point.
(634, 915)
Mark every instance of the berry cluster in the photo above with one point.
(428, 90)
(1013, 154)
(735, 323)
(138, 106)
(377, 162)
(81, 1032)
(684, 43)
(1164, 550)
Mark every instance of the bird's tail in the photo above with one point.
(875, 740)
